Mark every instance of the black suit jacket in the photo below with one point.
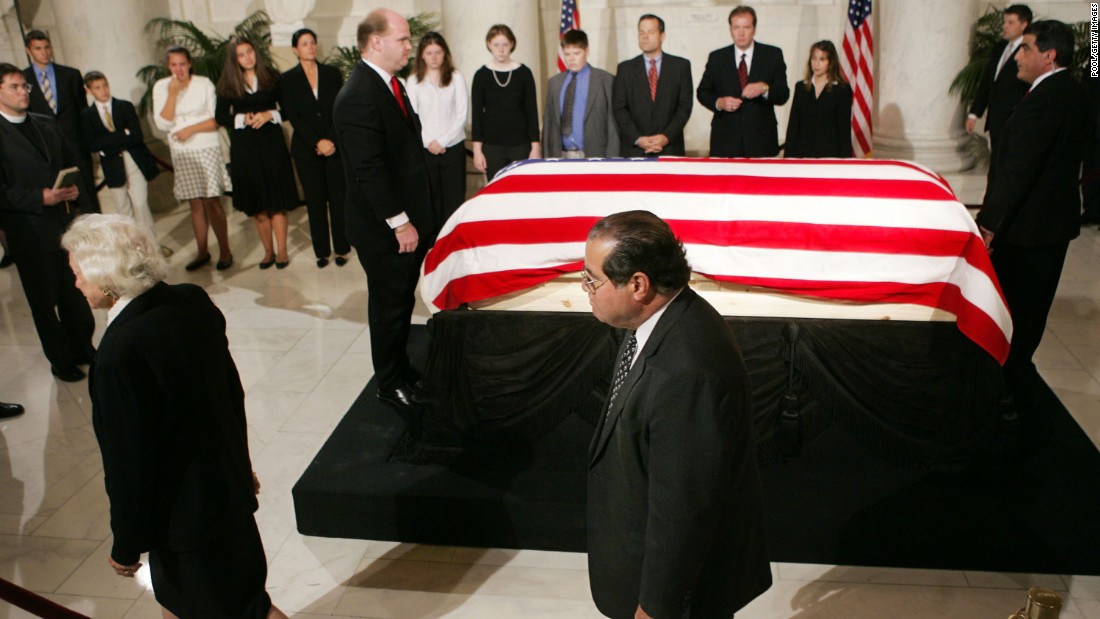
(637, 114)
(127, 137)
(675, 517)
(1034, 199)
(311, 116)
(69, 96)
(820, 125)
(751, 130)
(383, 162)
(32, 227)
(1000, 93)
(168, 412)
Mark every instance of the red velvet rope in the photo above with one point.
(34, 603)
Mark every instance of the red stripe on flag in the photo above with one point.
(712, 184)
(487, 285)
(475, 234)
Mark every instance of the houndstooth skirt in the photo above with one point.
(200, 173)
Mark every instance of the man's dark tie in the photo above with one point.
(567, 105)
(743, 72)
(653, 80)
(397, 93)
(624, 368)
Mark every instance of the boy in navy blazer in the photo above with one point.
(112, 130)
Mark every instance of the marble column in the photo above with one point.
(111, 41)
(465, 22)
(921, 47)
(287, 17)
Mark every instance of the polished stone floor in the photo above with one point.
(299, 337)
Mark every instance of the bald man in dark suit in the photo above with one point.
(388, 210)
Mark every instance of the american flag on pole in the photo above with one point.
(851, 230)
(858, 64)
(570, 20)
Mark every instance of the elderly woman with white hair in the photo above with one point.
(168, 412)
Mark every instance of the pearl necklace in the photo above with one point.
(506, 82)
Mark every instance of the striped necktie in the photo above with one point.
(47, 92)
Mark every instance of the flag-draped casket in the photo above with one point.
(859, 233)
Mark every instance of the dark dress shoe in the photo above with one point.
(69, 374)
(282, 265)
(322, 263)
(6, 261)
(198, 263)
(224, 264)
(400, 398)
(267, 264)
(341, 261)
(10, 410)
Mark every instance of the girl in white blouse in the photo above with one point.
(183, 106)
(438, 94)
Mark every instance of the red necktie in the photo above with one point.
(397, 93)
(653, 80)
(743, 72)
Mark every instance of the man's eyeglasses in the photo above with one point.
(25, 87)
(591, 285)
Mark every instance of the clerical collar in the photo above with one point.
(15, 120)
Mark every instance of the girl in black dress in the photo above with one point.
(821, 115)
(505, 115)
(263, 179)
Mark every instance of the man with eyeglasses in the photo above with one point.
(675, 517)
(35, 214)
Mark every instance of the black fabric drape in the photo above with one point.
(917, 393)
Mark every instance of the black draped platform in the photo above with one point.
(881, 443)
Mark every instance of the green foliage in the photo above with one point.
(344, 58)
(987, 33)
(207, 50)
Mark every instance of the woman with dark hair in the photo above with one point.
(306, 95)
(263, 179)
(183, 107)
(505, 115)
(821, 115)
(168, 413)
(438, 94)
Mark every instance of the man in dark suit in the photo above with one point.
(652, 96)
(111, 128)
(675, 517)
(1000, 89)
(742, 84)
(1033, 205)
(35, 216)
(388, 207)
(590, 130)
(59, 93)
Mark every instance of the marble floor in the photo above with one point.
(299, 337)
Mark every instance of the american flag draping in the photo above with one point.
(858, 64)
(865, 231)
(570, 20)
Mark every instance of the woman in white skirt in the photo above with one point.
(183, 106)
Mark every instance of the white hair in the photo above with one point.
(115, 254)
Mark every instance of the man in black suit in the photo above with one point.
(675, 517)
(1000, 89)
(651, 96)
(388, 208)
(35, 216)
(1033, 205)
(742, 84)
(59, 93)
